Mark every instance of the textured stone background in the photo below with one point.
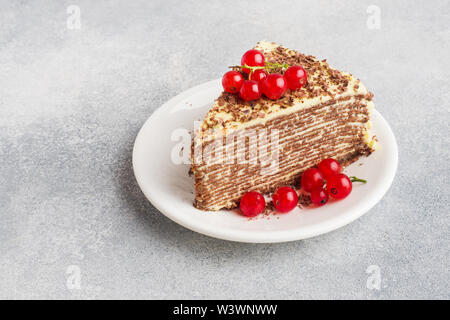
(72, 102)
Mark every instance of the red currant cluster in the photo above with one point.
(327, 180)
(259, 80)
(322, 182)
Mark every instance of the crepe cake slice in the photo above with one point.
(327, 118)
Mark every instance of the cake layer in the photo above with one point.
(337, 128)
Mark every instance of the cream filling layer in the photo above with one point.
(220, 132)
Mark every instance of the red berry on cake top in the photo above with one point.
(232, 81)
(252, 58)
(250, 90)
(258, 75)
(274, 86)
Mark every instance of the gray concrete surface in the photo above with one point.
(72, 101)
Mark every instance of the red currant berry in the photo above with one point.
(329, 167)
(258, 75)
(252, 204)
(319, 197)
(252, 58)
(250, 90)
(339, 186)
(296, 77)
(232, 81)
(312, 179)
(274, 86)
(285, 199)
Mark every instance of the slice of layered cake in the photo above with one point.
(263, 144)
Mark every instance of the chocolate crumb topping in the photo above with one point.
(323, 81)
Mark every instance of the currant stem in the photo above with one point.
(268, 66)
(275, 65)
(355, 179)
(247, 67)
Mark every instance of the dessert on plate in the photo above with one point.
(280, 114)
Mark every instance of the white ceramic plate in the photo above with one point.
(170, 189)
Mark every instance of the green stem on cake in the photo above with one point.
(274, 65)
(268, 66)
(355, 179)
(248, 67)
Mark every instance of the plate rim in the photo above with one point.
(261, 236)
